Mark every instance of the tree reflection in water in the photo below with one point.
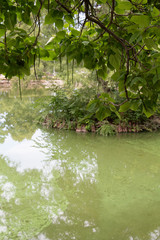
(81, 187)
(35, 200)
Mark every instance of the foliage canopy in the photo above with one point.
(122, 36)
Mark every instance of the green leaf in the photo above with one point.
(69, 19)
(2, 32)
(59, 23)
(52, 56)
(61, 34)
(147, 112)
(57, 14)
(115, 76)
(124, 107)
(150, 43)
(75, 32)
(112, 108)
(102, 72)
(49, 19)
(121, 85)
(135, 105)
(118, 115)
(124, 5)
(89, 61)
(103, 113)
(155, 12)
(26, 18)
(143, 1)
(2, 26)
(137, 81)
(156, 78)
(43, 53)
(142, 20)
(92, 106)
(101, 1)
(79, 57)
(10, 20)
(115, 61)
(140, 1)
(134, 37)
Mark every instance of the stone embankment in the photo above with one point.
(4, 83)
(45, 83)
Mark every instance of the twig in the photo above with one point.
(63, 6)
(102, 33)
(126, 75)
(118, 105)
(82, 27)
(139, 51)
(112, 13)
(77, 5)
(35, 67)
(48, 5)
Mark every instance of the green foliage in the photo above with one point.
(20, 120)
(122, 38)
(106, 129)
(66, 105)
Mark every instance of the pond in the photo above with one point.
(63, 185)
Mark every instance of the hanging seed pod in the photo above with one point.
(35, 67)
(72, 70)
(67, 63)
(20, 90)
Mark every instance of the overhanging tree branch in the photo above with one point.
(112, 13)
(63, 6)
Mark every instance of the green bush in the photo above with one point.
(106, 129)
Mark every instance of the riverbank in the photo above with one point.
(6, 85)
(105, 127)
(82, 111)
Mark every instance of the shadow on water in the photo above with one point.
(63, 185)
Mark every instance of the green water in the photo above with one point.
(62, 185)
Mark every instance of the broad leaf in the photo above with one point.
(59, 23)
(142, 20)
(115, 61)
(125, 107)
(150, 43)
(103, 113)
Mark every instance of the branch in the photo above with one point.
(112, 13)
(37, 18)
(137, 5)
(5, 45)
(63, 6)
(48, 5)
(118, 105)
(139, 51)
(35, 73)
(99, 23)
(153, 26)
(77, 5)
(123, 15)
(126, 75)
(39, 28)
(102, 33)
(82, 27)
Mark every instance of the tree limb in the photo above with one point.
(112, 13)
(63, 6)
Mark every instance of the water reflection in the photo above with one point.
(16, 119)
(59, 185)
(45, 187)
(30, 202)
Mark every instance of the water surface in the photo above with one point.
(62, 185)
